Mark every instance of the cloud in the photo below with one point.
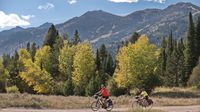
(159, 1)
(125, 1)
(27, 17)
(71, 1)
(46, 6)
(11, 20)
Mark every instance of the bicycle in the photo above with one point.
(98, 103)
(138, 102)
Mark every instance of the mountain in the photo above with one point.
(102, 27)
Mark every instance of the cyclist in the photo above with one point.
(144, 94)
(104, 93)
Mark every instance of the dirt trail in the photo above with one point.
(164, 108)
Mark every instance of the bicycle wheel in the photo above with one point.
(135, 104)
(95, 106)
(150, 104)
(109, 107)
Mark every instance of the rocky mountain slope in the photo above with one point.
(102, 27)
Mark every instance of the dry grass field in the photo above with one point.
(161, 97)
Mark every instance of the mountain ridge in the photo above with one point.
(102, 27)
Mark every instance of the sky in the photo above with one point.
(32, 13)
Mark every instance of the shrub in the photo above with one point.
(151, 82)
(194, 79)
(114, 90)
(58, 88)
(92, 87)
(68, 87)
(12, 89)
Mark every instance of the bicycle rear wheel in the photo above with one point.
(109, 107)
(150, 104)
(95, 106)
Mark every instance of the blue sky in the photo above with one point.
(31, 13)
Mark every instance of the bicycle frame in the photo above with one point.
(99, 100)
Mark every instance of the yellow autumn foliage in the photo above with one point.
(83, 64)
(41, 80)
(43, 57)
(135, 62)
(66, 60)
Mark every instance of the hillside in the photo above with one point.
(102, 27)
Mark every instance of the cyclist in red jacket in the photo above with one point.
(104, 93)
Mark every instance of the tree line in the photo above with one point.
(65, 66)
(179, 57)
(60, 66)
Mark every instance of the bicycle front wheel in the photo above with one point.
(95, 106)
(135, 104)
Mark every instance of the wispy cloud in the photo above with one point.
(11, 20)
(27, 17)
(159, 1)
(125, 1)
(71, 1)
(46, 6)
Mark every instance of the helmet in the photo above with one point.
(102, 85)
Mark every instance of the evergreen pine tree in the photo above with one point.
(180, 50)
(109, 65)
(163, 56)
(33, 51)
(103, 53)
(6, 60)
(97, 60)
(76, 38)
(189, 53)
(28, 47)
(162, 60)
(91, 88)
(169, 48)
(68, 87)
(169, 61)
(58, 44)
(13, 68)
(134, 37)
(54, 57)
(176, 64)
(197, 39)
(171, 68)
(51, 36)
